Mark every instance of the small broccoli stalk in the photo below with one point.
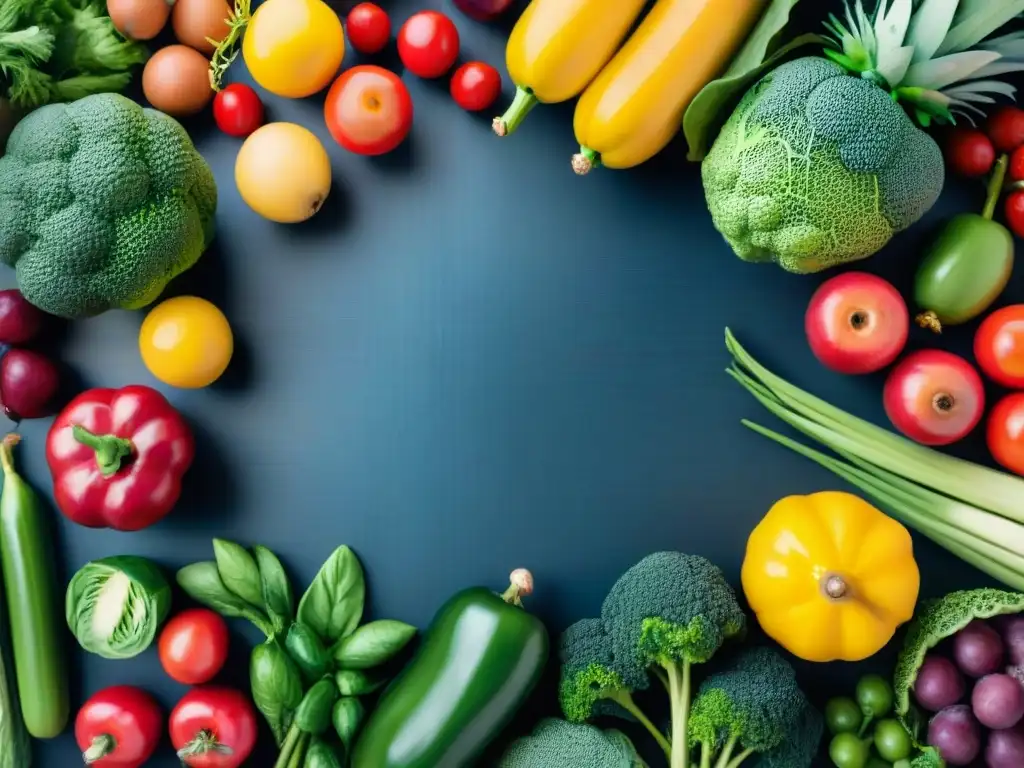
(590, 685)
(747, 709)
(670, 611)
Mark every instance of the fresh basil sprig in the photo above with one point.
(333, 605)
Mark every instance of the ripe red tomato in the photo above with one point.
(969, 152)
(476, 86)
(856, 323)
(1006, 128)
(934, 397)
(194, 646)
(368, 27)
(1016, 169)
(368, 110)
(999, 346)
(119, 727)
(208, 719)
(238, 110)
(428, 44)
(1015, 212)
(1005, 433)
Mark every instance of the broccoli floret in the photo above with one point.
(666, 613)
(746, 709)
(560, 744)
(590, 685)
(800, 744)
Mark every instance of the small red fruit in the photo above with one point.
(476, 86)
(238, 110)
(1006, 128)
(1015, 212)
(368, 27)
(194, 646)
(1016, 169)
(29, 382)
(20, 322)
(428, 44)
(856, 323)
(999, 346)
(969, 152)
(1005, 433)
(119, 727)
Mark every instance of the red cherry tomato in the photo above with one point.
(1006, 128)
(934, 397)
(1016, 169)
(969, 152)
(1005, 433)
(856, 323)
(194, 646)
(1014, 208)
(368, 27)
(208, 719)
(999, 346)
(368, 110)
(119, 727)
(476, 86)
(428, 44)
(238, 110)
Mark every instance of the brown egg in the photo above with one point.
(139, 19)
(176, 80)
(196, 20)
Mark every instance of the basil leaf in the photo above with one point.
(309, 653)
(333, 605)
(313, 714)
(277, 590)
(373, 644)
(347, 717)
(356, 682)
(202, 582)
(276, 686)
(238, 571)
(321, 755)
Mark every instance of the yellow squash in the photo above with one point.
(557, 47)
(830, 577)
(631, 111)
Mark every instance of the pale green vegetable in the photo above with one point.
(115, 606)
(14, 744)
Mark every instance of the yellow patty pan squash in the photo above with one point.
(830, 577)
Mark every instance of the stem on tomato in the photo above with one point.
(203, 744)
(101, 746)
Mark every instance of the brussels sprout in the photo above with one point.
(115, 606)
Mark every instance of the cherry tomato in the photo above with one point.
(856, 323)
(238, 110)
(194, 646)
(119, 727)
(1016, 169)
(999, 346)
(208, 719)
(1005, 433)
(368, 27)
(1014, 208)
(476, 86)
(368, 110)
(186, 342)
(934, 397)
(428, 44)
(1006, 128)
(969, 152)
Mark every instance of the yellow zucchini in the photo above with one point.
(631, 111)
(557, 47)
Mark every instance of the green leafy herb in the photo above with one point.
(333, 605)
(348, 716)
(373, 644)
(226, 50)
(238, 571)
(277, 590)
(321, 755)
(313, 714)
(761, 52)
(357, 682)
(276, 686)
(202, 582)
(309, 653)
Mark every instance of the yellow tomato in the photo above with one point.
(294, 48)
(186, 342)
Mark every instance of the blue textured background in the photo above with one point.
(472, 360)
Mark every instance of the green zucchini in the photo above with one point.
(15, 750)
(35, 615)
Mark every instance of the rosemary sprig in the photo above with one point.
(227, 49)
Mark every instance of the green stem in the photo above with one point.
(995, 187)
(204, 743)
(725, 756)
(660, 674)
(111, 450)
(7, 453)
(299, 756)
(735, 762)
(625, 700)
(101, 746)
(288, 748)
(585, 161)
(705, 755)
(517, 111)
(679, 691)
(864, 725)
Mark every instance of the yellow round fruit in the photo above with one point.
(186, 342)
(283, 173)
(294, 48)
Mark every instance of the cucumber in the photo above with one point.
(34, 610)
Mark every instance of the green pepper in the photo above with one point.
(481, 658)
(967, 266)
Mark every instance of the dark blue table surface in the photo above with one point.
(472, 360)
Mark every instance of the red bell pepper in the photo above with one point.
(117, 457)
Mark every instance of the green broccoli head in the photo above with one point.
(104, 202)
(558, 744)
(799, 746)
(816, 168)
(670, 609)
(590, 684)
(751, 706)
(939, 619)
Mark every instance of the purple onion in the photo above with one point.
(998, 701)
(978, 650)
(939, 683)
(28, 384)
(20, 322)
(1013, 637)
(484, 10)
(956, 734)
(1005, 749)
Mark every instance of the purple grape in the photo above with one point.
(998, 701)
(956, 734)
(939, 683)
(1013, 636)
(978, 650)
(1005, 749)
(484, 10)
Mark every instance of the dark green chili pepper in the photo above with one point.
(307, 651)
(313, 714)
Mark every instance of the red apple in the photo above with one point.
(856, 323)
